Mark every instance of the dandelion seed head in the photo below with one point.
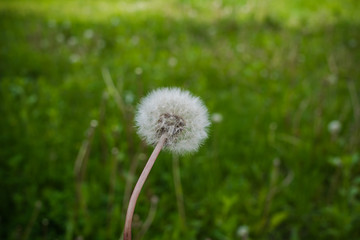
(172, 62)
(73, 41)
(60, 38)
(335, 161)
(101, 44)
(74, 58)
(135, 40)
(138, 71)
(242, 231)
(89, 34)
(334, 127)
(176, 113)
(115, 21)
(52, 23)
(217, 117)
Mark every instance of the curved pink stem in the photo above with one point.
(139, 185)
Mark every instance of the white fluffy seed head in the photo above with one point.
(334, 127)
(176, 113)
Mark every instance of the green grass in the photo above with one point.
(277, 71)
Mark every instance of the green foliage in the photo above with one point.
(277, 71)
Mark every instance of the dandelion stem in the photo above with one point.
(139, 185)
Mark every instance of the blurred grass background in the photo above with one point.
(280, 79)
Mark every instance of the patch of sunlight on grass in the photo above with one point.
(287, 13)
(81, 10)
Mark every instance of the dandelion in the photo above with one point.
(129, 97)
(243, 232)
(73, 41)
(74, 58)
(138, 71)
(51, 23)
(135, 40)
(89, 34)
(335, 161)
(101, 44)
(67, 24)
(45, 43)
(332, 79)
(172, 119)
(334, 127)
(172, 62)
(60, 38)
(175, 113)
(115, 21)
(217, 117)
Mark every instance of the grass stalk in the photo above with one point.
(32, 220)
(178, 190)
(80, 166)
(150, 218)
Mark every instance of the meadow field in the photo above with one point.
(281, 81)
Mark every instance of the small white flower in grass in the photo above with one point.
(176, 113)
(52, 23)
(172, 62)
(89, 34)
(67, 24)
(217, 117)
(138, 71)
(243, 232)
(101, 44)
(60, 38)
(334, 127)
(74, 58)
(73, 41)
(135, 40)
(115, 21)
